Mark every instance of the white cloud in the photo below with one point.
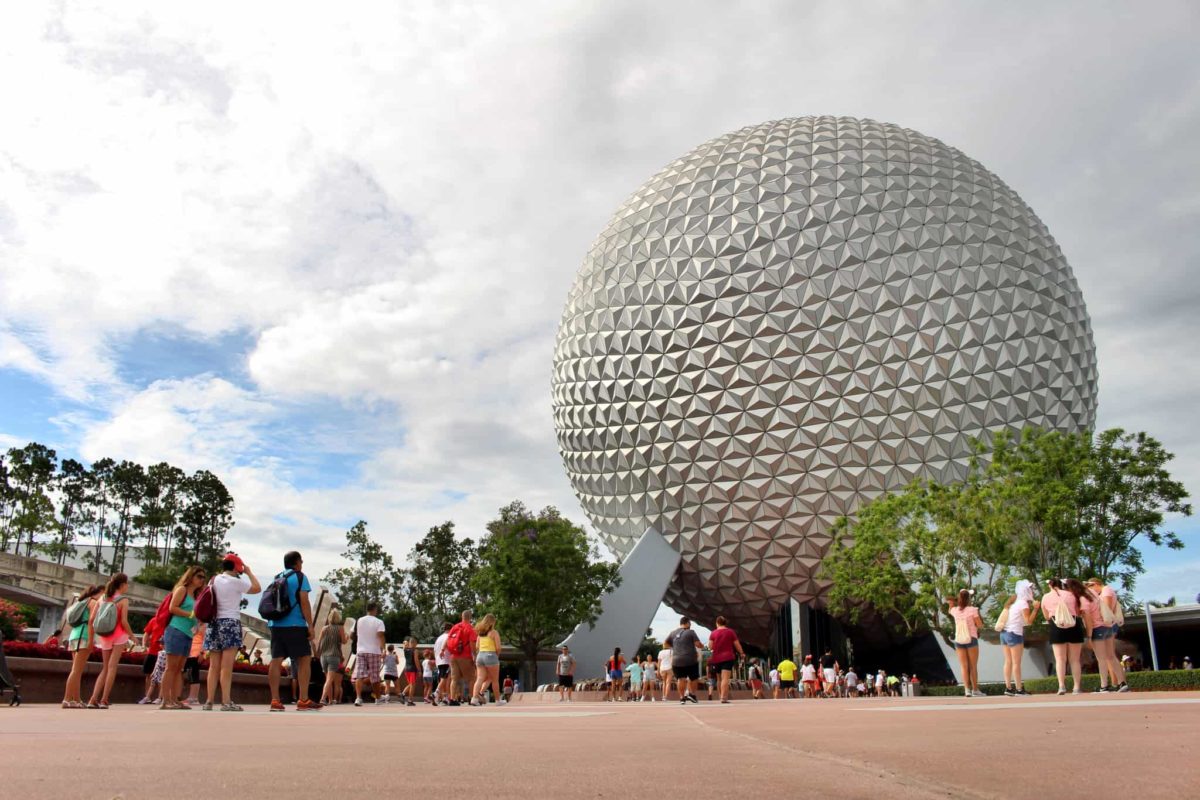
(393, 200)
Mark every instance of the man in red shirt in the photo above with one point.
(723, 642)
(462, 644)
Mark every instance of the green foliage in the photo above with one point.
(438, 584)
(1176, 680)
(540, 576)
(372, 575)
(166, 516)
(13, 620)
(164, 576)
(1041, 505)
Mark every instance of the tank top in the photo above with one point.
(184, 624)
(330, 645)
(487, 644)
(411, 660)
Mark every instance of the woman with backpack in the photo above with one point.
(224, 635)
(329, 653)
(110, 622)
(1101, 609)
(614, 668)
(967, 623)
(488, 660)
(1019, 610)
(177, 638)
(79, 644)
(1061, 607)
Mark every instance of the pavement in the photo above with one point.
(1139, 745)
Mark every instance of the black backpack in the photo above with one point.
(276, 603)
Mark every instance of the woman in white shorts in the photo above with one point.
(664, 672)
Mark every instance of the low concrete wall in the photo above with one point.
(42, 681)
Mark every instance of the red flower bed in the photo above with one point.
(35, 650)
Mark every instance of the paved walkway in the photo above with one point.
(884, 748)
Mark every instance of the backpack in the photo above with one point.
(1063, 618)
(205, 607)
(962, 634)
(1109, 615)
(77, 613)
(1001, 621)
(105, 623)
(458, 645)
(276, 603)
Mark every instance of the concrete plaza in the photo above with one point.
(1136, 745)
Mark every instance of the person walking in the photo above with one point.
(755, 676)
(665, 674)
(112, 641)
(412, 670)
(787, 677)
(614, 670)
(808, 678)
(222, 641)
(1103, 611)
(487, 661)
(462, 644)
(564, 667)
(726, 649)
(967, 623)
(329, 654)
(190, 694)
(428, 676)
(371, 640)
(1021, 609)
(441, 658)
(685, 659)
(1061, 608)
(773, 676)
(829, 671)
(177, 638)
(649, 679)
(635, 680)
(292, 636)
(391, 674)
(79, 644)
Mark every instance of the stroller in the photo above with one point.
(6, 678)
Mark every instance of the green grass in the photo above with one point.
(1162, 681)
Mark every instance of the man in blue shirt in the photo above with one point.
(292, 636)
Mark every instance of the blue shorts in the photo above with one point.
(1011, 639)
(616, 674)
(1101, 633)
(487, 659)
(176, 643)
(974, 643)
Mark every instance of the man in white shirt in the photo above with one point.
(441, 657)
(371, 640)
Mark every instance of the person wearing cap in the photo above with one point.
(1187, 662)
(565, 668)
(224, 636)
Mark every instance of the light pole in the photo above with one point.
(1150, 633)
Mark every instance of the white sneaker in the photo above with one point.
(358, 702)
(978, 693)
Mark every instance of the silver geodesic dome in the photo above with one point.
(790, 320)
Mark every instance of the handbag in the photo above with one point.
(1001, 622)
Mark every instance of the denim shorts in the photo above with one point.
(974, 643)
(176, 643)
(1009, 639)
(487, 660)
(1101, 633)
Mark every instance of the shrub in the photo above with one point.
(35, 650)
(1164, 680)
(12, 620)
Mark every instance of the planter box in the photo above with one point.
(42, 681)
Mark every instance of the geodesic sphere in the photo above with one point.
(790, 320)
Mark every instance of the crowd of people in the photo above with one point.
(200, 620)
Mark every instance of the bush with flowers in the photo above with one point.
(35, 650)
(12, 620)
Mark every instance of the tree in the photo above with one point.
(437, 585)
(1043, 505)
(205, 520)
(128, 486)
(75, 512)
(100, 499)
(158, 514)
(1127, 493)
(541, 576)
(372, 576)
(31, 476)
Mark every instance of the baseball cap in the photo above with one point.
(238, 565)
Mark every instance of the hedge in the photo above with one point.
(1177, 680)
(35, 650)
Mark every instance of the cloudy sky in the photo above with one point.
(325, 254)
